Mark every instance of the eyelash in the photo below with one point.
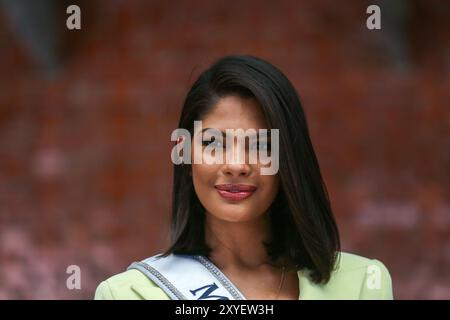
(207, 143)
(265, 144)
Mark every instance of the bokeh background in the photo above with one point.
(86, 118)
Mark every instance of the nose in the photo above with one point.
(236, 170)
(237, 163)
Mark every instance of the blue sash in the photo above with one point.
(187, 277)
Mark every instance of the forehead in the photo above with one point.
(233, 112)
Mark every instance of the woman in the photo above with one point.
(238, 233)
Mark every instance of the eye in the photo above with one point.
(213, 142)
(262, 146)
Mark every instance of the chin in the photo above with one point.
(234, 214)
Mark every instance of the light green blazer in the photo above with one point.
(355, 278)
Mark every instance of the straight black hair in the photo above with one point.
(303, 226)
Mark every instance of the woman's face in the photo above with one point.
(231, 191)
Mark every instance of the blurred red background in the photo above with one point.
(86, 117)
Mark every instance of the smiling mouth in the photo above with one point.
(235, 192)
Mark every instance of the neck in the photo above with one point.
(238, 244)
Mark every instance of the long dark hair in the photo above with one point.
(303, 226)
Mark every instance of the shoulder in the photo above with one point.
(348, 261)
(129, 285)
(354, 277)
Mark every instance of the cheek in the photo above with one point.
(202, 177)
(270, 190)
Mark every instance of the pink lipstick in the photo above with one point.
(235, 192)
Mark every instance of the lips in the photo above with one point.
(235, 192)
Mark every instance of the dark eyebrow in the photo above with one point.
(203, 130)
